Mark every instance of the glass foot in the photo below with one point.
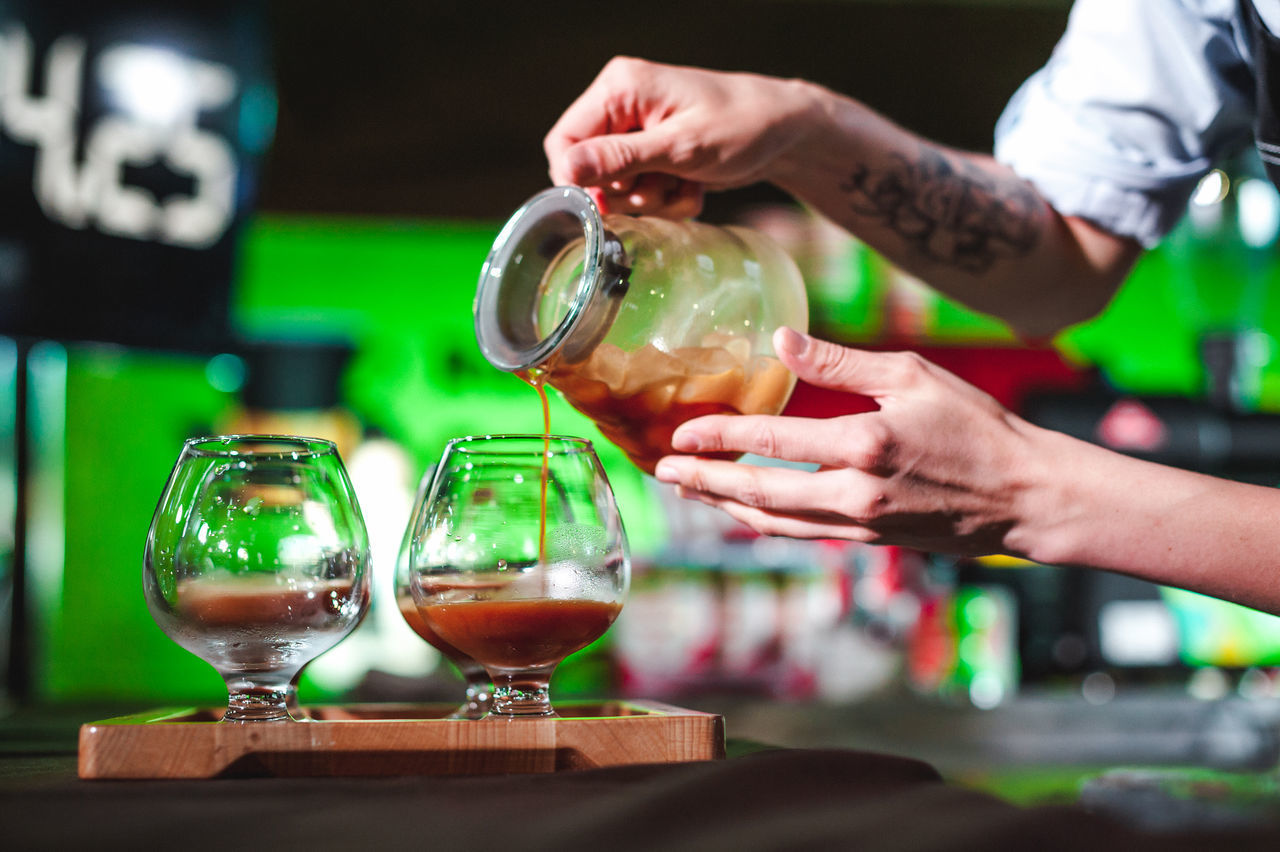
(524, 693)
(253, 703)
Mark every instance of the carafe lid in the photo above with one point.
(507, 295)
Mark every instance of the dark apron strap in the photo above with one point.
(1266, 56)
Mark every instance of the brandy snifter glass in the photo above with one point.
(257, 562)
(519, 559)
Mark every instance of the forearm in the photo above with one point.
(961, 222)
(1090, 507)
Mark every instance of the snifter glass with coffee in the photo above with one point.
(641, 323)
(519, 559)
(257, 562)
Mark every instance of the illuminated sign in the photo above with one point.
(131, 134)
(158, 95)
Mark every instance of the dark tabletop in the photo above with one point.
(763, 799)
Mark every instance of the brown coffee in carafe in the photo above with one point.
(641, 323)
(637, 399)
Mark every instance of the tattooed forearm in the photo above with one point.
(949, 210)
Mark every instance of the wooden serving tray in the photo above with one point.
(389, 739)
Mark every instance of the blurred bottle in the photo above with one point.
(294, 387)
(743, 614)
(964, 644)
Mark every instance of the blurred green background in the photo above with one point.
(405, 134)
(401, 292)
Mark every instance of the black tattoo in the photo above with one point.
(948, 209)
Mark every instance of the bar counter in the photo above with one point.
(760, 797)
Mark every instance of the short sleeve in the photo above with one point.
(1136, 104)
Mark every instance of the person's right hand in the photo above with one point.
(646, 138)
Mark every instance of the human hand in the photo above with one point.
(940, 466)
(646, 138)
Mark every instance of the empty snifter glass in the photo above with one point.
(257, 562)
(479, 688)
(519, 559)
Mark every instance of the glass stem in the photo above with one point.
(522, 693)
(254, 701)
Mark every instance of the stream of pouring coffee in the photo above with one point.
(537, 379)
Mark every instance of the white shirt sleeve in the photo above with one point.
(1138, 101)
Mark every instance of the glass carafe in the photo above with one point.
(641, 323)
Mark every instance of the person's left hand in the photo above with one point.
(941, 466)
